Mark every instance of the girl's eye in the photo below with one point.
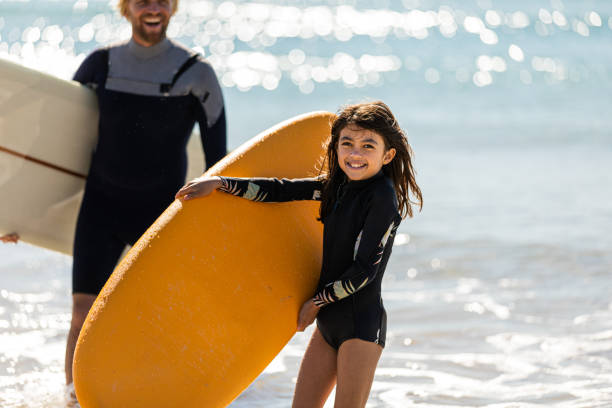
(345, 144)
(368, 146)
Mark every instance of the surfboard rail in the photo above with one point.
(209, 295)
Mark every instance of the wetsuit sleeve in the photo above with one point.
(92, 67)
(378, 231)
(273, 190)
(211, 113)
(214, 138)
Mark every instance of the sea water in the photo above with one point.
(498, 292)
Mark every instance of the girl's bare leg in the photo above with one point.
(357, 360)
(317, 375)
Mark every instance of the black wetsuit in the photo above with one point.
(149, 100)
(357, 240)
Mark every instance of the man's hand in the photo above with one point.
(198, 187)
(12, 237)
(308, 313)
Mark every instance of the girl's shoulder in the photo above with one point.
(381, 193)
(383, 185)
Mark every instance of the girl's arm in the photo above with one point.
(255, 189)
(198, 187)
(308, 313)
(378, 231)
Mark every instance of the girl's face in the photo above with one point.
(361, 152)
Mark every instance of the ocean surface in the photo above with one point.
(499, 292)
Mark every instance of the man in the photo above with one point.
(151, 91)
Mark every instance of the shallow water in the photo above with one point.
(498, 291)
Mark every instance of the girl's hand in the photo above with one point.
(12, 237)
(307, 315)
(199, 187)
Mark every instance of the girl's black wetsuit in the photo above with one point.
(357, 240)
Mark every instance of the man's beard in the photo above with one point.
(149, 37)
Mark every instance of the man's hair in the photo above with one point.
(123, 5)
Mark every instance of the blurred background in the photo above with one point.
(498, 292)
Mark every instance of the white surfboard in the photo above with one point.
(48, 129)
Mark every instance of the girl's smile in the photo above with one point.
(362, 152)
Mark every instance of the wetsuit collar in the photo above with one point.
(363, 183)
(148, 52)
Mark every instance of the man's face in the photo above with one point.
(149, 20)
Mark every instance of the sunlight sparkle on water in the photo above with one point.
(432, 75)
(493, 18)
(581, 28)
(222, 31)
(487, 63)
(401, 239)
(593, 19)
(545, 16)
(559, 19)
(518, 20)
(482, 78)
(516, 53)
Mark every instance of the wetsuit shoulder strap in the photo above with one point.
(165, 88)
(105, 52)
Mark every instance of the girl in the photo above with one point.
(364, 194)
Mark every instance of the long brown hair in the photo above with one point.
(377, 117)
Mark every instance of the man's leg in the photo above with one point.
(357, 360)
(81, 303)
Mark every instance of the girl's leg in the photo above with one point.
(317, 375)
(357, 360)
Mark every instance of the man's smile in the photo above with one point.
(152, 21)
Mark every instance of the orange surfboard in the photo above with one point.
(210, 294)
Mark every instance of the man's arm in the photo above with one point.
(95, 64)
(214, 138)
(210, 112)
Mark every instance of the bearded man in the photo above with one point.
(151, 91)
